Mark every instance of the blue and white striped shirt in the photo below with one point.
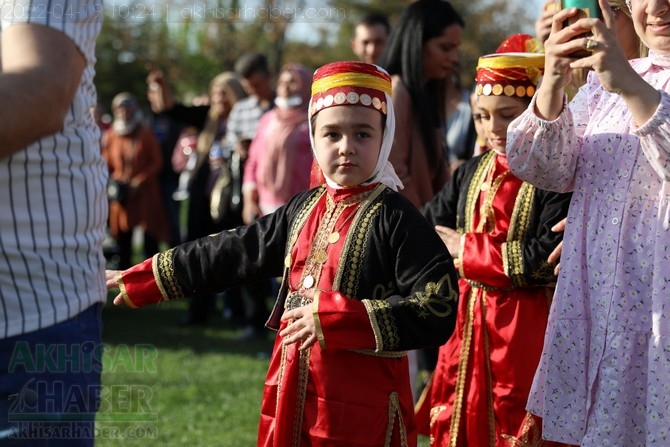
(53, 207)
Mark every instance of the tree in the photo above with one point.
(487, 24)
(192, 43)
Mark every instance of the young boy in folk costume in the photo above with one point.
(500, 230)
(365, 278)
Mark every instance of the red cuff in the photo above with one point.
(138, 285)
(342, 323)
(482, 260)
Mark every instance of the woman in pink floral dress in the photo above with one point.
(604, 376)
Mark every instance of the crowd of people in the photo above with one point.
(479, 266)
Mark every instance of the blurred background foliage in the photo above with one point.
(193, 41)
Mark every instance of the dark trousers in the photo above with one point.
(50, 387)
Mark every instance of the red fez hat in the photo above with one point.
(513, 70)
(350, 83)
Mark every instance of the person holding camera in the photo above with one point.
(134, 159)
(604, 371)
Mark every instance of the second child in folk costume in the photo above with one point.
(364, 278)
(499, 230)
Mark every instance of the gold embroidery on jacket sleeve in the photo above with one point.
(163, 269)
(437, 298)
(383, 325)
(513, 262)
(379, 292)
(435, 412)
(518, 231)
(432, 300)
(544, 272)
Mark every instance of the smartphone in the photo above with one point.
(587, 9)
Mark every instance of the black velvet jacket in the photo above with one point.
(530, 239)
(392, 258)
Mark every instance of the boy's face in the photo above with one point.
(497, 112)
(347, 141)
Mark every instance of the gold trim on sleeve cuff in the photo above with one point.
(379, 343)
(156, 261)
(124, 292)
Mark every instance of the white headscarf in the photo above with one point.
(383, 172)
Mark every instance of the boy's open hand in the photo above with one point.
(451, 239)
(300, 327)
(112, 282)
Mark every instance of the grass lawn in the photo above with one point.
(166, 385)
(171, 386)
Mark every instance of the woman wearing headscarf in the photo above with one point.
(134, 159)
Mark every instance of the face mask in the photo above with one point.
(287, 103)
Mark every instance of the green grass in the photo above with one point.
(175, 386)
(178, 386)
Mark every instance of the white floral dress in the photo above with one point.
(604, 377)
